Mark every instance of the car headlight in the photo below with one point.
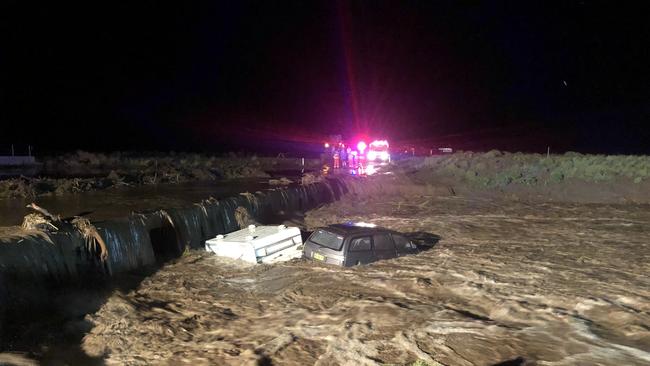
(384, 156)
(372, 155)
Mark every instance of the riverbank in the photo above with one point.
(84, 172)
(570, 177)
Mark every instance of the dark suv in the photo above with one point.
(351, 244)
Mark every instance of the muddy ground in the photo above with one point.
(525, 282)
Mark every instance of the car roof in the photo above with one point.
(352, 229)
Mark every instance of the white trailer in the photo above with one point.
(259, 244)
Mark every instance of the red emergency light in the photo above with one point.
(361, 146)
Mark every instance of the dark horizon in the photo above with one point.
(203, 76)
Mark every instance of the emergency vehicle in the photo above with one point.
(343, 156)
(378, 152)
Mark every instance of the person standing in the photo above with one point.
(344, 158)
(337, 159)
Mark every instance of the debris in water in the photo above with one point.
(309, 178)
(243, 217)
(91, 236)
(284, 181)
(45, 221)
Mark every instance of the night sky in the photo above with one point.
(214, 76)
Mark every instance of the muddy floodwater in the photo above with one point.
(530, 283)
(119, 202)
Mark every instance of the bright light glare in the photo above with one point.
(364, 224)
(361, 146)
(383, 155)
(379, 143)
(372, 155)
(370, 170)
(327, 145)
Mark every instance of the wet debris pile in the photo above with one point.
(44, 221)
(244, 218)
(284, 181)
(309, 178)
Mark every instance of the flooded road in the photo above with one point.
(530, 283)
(119, 202)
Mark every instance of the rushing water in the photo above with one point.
(509, 283)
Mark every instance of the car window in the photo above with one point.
(384, 242)
(327, 239)
(360, 244)
(401, 243)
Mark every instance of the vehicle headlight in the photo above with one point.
(384, 156)
(372, 155)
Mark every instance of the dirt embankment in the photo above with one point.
(570, 177)
(83, 171)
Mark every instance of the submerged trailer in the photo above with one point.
(259, 244)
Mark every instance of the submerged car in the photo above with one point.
(351, 244)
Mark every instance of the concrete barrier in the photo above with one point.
(147, 238)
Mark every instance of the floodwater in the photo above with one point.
(119, 202)
(509, 281)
